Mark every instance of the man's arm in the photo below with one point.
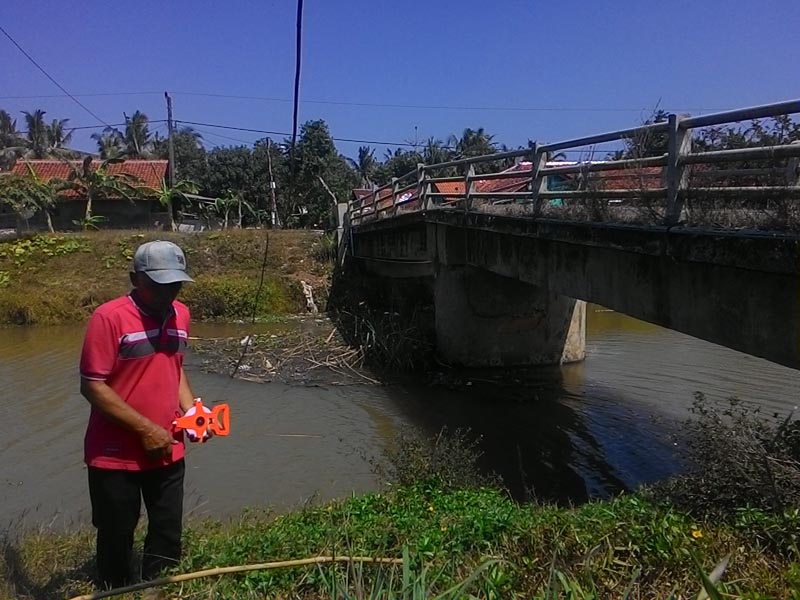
(156, 440)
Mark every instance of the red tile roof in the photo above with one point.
(150, 173)
(451, 188)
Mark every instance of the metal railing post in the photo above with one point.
(793, 171)
(680, 144)
(468, 187)
(422, 187)
(538, 181)
(395, 187)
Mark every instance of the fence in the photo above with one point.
(664, 184)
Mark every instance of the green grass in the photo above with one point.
(598, 550)
(62, 278)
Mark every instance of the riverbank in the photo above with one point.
(50, 279)
(627, 547)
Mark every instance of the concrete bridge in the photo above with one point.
(510, 271)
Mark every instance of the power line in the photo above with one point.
(596, 109)
(357, 141)
(102, 126)
(46, 74)
(447, 107)
(336, 139)
(99, 94)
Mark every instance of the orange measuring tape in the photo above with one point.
(199, 420)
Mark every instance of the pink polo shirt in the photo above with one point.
(140, 358)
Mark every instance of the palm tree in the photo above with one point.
(36, 140)
(57, 135)
(11, 143)
(474, 142)
(435, 152)
(365, 166)
(109, 143)
(137, 136)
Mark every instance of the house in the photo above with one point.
(117, 212)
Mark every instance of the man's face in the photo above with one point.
(155, 296)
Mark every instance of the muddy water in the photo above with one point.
(583, 430)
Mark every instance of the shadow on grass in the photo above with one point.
(18, 578)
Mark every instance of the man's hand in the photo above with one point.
(157, 442)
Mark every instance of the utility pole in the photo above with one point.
(275, 223)
(169, 141)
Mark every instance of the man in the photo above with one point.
(132, 375)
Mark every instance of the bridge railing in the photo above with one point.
(661, 190)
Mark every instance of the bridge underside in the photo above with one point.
(737, 290)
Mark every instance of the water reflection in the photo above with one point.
(566, 434)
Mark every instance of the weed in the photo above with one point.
(451, 459)
(740, 458)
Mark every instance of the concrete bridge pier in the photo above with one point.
(487, 320)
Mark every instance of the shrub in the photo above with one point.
(740, 459)
(451, 459)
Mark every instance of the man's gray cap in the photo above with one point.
(161, 261)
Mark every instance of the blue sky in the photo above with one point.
(558, 69)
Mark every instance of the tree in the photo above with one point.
(29, 194)
(96, 183)
(435, 152)
(316, 160)
(57, 135)
(40, 141)
(136, 138)
(11, 142)
(36, 141)
(647, 143)
(397, 163)
(190, 156)
(109, 143)
(365, 166)
(230, 168)
(167, 196)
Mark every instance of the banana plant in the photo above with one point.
(167, 195)
(95, 183)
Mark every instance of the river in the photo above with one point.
(584, 430)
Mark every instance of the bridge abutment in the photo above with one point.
(487, 320)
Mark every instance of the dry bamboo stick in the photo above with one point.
(238, 569)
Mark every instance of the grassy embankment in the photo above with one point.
(54, 279)
(598, 550)
(454, 525)
(634, 546)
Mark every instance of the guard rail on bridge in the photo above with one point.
(657, 189)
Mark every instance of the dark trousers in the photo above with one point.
(116, 504)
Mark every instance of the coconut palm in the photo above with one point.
(11, 144)
(58, 136)
(365, 166)
(474, 142)
(109, 143)
(137, 135)
(36, 140)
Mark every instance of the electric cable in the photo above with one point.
(571, 109)
(46, 74)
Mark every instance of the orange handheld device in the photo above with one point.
(199, 420)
